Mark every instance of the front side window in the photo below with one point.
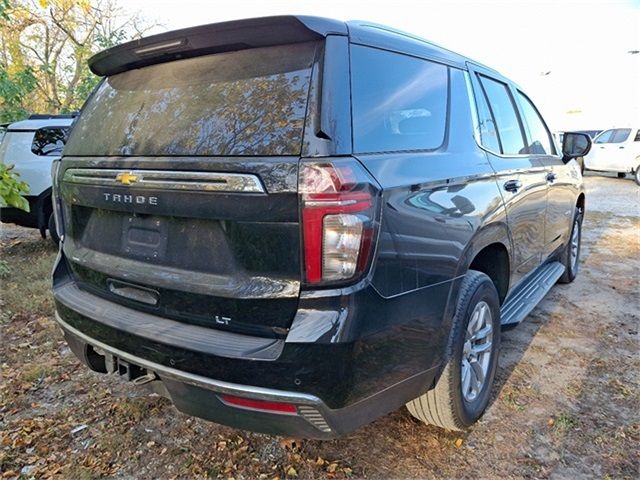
(247, 102)
(505, 116)
(49, 141)
(620, 135)
(604, 137)
(637, 139)
(399, 102)
(539, 137)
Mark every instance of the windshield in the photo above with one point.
(249, 102)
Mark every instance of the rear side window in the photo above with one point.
(637, 139)
(49, 141)
(539, 137)
(620, 135)
(399, 102)
(505, 116)
(248, 102)
(486, 125)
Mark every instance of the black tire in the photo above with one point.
(445, 405)
(571, 266)
(53, 232)
(621, 175)
(636, 175)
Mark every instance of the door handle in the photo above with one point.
(512, 185)
(620, 147)
(551, 177)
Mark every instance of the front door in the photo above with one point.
(561, 179)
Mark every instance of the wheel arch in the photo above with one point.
(490, 243)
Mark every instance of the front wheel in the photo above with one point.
(462, 393)
(571, 254)
(636, 175)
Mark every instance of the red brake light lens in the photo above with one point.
(338, 202)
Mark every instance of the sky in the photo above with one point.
(571, 57)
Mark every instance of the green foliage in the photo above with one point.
(11, 188)
(45, 46)
(4, 6)
(13, 91)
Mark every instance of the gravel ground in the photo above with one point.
(566, 401)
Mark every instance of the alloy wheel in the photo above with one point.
(476, 352)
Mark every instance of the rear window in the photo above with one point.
(249, 102)
(49, 141)
(399, 102)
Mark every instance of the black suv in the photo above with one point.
(295, 225)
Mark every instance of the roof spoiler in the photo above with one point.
(213, 38)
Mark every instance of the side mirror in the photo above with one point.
(575, 145)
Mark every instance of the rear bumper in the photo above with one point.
(335, 386)
(202, 396)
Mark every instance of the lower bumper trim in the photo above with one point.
(218, 386)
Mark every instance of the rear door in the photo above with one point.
(520, 175)
(179, 185)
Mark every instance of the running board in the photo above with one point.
(520, 304)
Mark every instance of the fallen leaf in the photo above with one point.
(292, 472)
(289, 443)
(458, 443)
(332, 468)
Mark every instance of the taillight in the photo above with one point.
(339, 204)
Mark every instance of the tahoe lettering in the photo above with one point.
(133, 199)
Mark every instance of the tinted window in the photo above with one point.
(399, 102)
(486, 124)
(49, 141)
(539, 138)
(604, 137)
(637, 139)
(249, 102)
(620, 135)
(505, 116)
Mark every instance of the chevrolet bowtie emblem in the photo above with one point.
(126, 178)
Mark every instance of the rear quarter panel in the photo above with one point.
(440, 208)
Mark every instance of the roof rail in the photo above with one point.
(46, 116)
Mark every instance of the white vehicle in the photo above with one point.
(32, 145)
(616, 150)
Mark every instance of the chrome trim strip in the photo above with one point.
(167, 180)
(218, 386)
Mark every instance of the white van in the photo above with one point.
(32, 145)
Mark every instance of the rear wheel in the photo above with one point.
(636, 175)
(463, 391)
(571, 254)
